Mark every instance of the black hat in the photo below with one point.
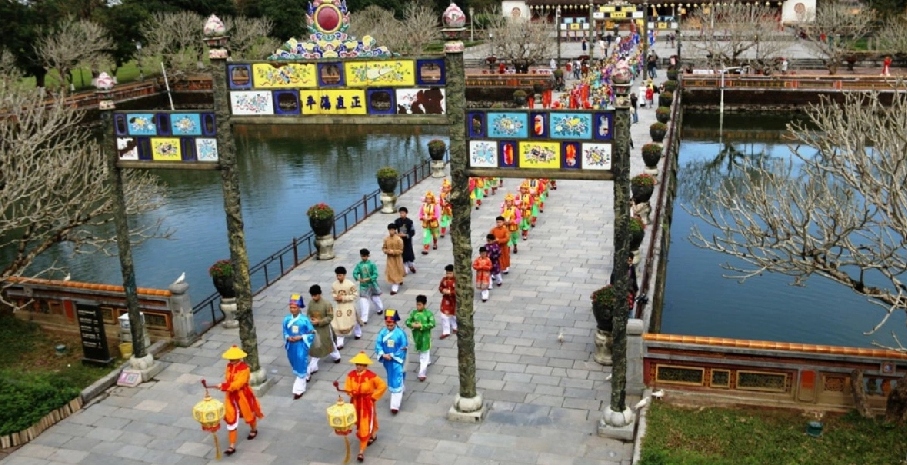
(315, 290)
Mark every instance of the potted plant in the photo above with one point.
(558, 73)
(663, 114)
(604, 302)
(538, 88)
(387, 180)
(642, 185)
(658, 130)
(670, 86)
(651, 155)
(221, 273)
(637, 233)
(519, 97)
(665, 99)
(672, 74)
(436, 149)
(321, 219)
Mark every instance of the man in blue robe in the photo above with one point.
(391, 350)
(298, 335)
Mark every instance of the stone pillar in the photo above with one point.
(325, 245)
(388, 203)
(216, 41)
(228, 306)
(603, 344)
(468, 406)
(437, 168)
(635, 352)
(184, 331)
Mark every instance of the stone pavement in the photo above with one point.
(545, 398)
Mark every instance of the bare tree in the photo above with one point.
(838, 26)
(71, 44)
(892, 36)
(520, 41)
(176, 40)
(836, 210)
(53, 182)
(411, 36)
(735, 32)
(250, 37)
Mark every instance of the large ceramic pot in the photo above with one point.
(436, 152)
(224, 286)
(603, 317)
(387, 185)
(321, 227)
(658, 132)
(642, 193)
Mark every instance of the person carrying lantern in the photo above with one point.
(429, 214)
(239, 399)
(364, 388)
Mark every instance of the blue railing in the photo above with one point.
(278, 264)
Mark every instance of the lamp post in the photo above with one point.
(468, 405)
(472, 24)
(645, 42)
(216, 40)
(591, 31)
(617, 420)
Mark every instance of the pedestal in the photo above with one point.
(467, 409)
(260, 382)
(228, 306)
(651, 171)
(642, 210)
(388, 203)
(437, 168)
(636, 256)
(147, 366)
(325, 245)
(603, 343)
(617, 425)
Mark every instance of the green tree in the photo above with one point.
(21, 28)
(288, 18)
(203, 7)
(124, 23)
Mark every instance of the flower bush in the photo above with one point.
(604, 297)
(221, 269)
(437, 144)
(643, 180)
(320, 211)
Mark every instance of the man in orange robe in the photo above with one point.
(501, 234)
(364, 388)
(239, 398)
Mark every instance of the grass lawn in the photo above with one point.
(720, 436)
(29, 349)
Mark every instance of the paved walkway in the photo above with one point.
(545, 397)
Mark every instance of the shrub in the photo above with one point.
(320, 211)
(670, 85)
(437, 144)
(26, 398)
(659, 126)
(604, 297)
(651, 154)
(643, 180)
(666, 98)
(387, 172)
(663, 114)
(637, 233)
(519, 94)
(221, 269)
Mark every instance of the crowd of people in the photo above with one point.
(321, 330)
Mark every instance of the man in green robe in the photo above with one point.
(421, 321)
(321, 313)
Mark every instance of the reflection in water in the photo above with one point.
(700, 301)
(283, 170)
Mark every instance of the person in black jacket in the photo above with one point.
(406, 231)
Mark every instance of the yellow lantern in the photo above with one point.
(209, 412)
(342, 418)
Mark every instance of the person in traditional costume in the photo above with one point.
(482, 265)
(407, 232)
(321, 313)
(446, 207)
(393, 248)
(448, 290)
(421, 321)
(346, 319)
(494, 254)
(239, 399)
(526, 203)
(531, 188)
(476, 191)
(364, 388)
(298, 335)
(430, 215)
(513, 218)
(366, 273)
(539, 189)
(502, 236)
(391, 349)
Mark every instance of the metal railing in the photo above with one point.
(300, 249)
